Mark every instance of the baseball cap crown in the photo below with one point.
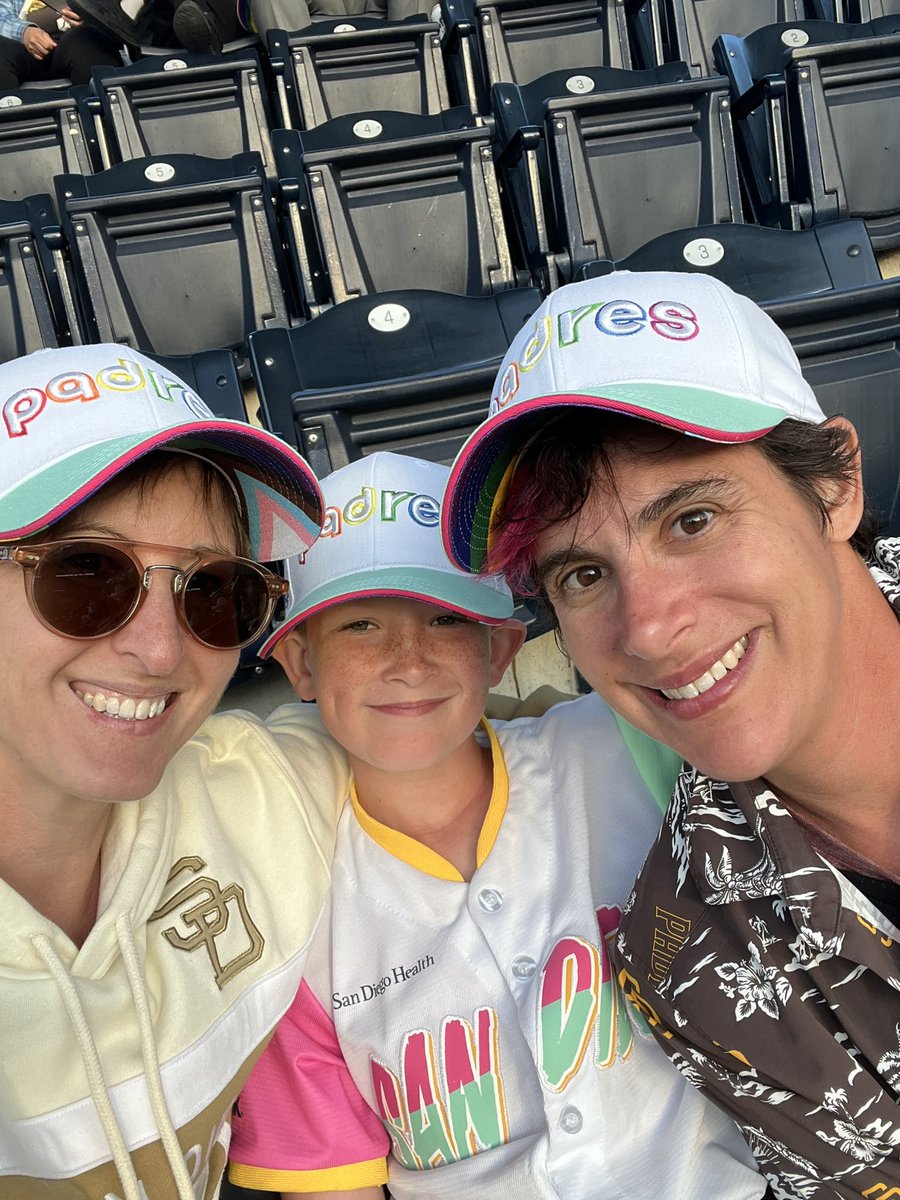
(381, 537)
(73, 418)
(677, 349)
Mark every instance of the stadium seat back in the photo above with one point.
(693, 25)
(212, 105)
(641, 153)
(214, 377)
(175, 255)
(764, 264)
(849, 347)
(41, 136)
(29, 308)
(401, 200)
(522, 41)
(409, 371)
(515, 41)
(831, 93)
(871, 10)
(357, 66)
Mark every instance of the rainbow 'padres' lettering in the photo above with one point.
(26, 405)
(581, 1002)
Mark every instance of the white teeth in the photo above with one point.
(124, 708)
(711, 675)
(705, 682)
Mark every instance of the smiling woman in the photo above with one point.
(656, 465)
(160, 873)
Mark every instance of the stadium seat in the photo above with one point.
(764, 264)
(598, 163)
(690, 27)
(870, 10)
(331, 69)
(32, 313)
(213, 105)
(818, 112)
(409, 371)
(849, 347)
(398, 201)
(41, 135)
(175, 255)
(516, 41)
(213, 376)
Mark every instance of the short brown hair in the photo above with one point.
(556, 473)
(213, 490)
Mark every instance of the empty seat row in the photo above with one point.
(593, 163)
(687, 30)
(411, 369)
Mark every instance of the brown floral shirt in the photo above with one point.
(773, 982)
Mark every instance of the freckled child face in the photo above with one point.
(400, 683)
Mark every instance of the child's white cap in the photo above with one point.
(381, 537)
(680, 350)
(73, 418)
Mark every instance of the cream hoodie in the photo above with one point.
(120, 1061)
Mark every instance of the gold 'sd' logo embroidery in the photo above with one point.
(213, 917)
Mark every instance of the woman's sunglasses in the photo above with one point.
(89, 587)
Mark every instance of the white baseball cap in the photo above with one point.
(381, 537)
(73, 418)
(680, 350)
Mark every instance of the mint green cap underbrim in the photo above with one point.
(468, 595)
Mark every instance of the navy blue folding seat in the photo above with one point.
(516, 41)
(32, 309)
(413, 373)
(390, 200)
(599, 161)
(41, 135)
(817, 106)
(356, 65)
(175, 255)
(213, 105)
(764, 264)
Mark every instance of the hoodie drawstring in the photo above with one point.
(161, 1114)
(92, 1068)
(94, 1071)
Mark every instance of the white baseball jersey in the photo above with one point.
(479, 1022)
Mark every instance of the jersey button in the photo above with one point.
(490, 900)
(570, 1119)
(523, 967)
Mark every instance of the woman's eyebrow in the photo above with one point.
(560, 558)
(707, 487)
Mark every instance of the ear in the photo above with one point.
(293, 654)
(506, 641)
(845, 501)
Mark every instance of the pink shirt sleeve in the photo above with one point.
(300, 1123)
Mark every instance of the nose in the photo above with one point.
(656, 608)
(154, 635)
(409, 659)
